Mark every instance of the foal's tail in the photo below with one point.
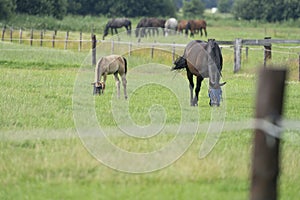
(125, 65)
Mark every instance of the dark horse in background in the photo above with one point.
(145, 25)
(115, 23)
(204, 60)
(195, 26)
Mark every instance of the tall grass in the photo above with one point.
(42, 156)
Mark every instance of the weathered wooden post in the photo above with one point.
(80, 41)
(20, 36)
(267, 51)
(265, 160)
(3, 32)
(299, 66)
(112, 46)
(173, 52)
(152, 50)
(11, 34)
(130, 48)
(53, 39)
(31, 37)
(247, 52)
(94, 45)
(66, 40)
(237, 55)
(41, 38)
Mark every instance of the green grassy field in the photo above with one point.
(43, 157)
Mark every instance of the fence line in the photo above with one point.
(236, 46)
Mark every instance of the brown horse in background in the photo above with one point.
(181, 25)
(204, 60)
(196, 25)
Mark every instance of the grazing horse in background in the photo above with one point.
(171, 26)
(196, 25)
(145, 25)
(115, 23)
(204, 60)
(181, 26)
(112, 64)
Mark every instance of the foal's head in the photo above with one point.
(98, 88)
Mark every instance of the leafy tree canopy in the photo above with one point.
(193, 9)
(268, 10)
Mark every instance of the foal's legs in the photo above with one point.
(124, 82)
(117, 84)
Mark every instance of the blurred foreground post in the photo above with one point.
(265, 160)
(94, 44)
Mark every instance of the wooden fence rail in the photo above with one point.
(237, 44)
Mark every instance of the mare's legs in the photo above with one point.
(205, 32)
(116, 31)
(117, 84)
(190, 77)
(197, 90)
(201, 33)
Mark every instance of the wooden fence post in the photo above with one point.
(31, 37)
(11, 34)
(237, 55)
(20, 36)
(265, 160)
(80, 41)
(94, 45)
(152, 50)
(247, 52)
(53, 39)
(267, 51)
(130, 48)
(41, 41)
(299, 66)
(66, 40)
(173, 52)
(112, 46)
(3, 32)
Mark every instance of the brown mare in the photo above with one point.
(181, 25)
(196, 25)
(204, 60)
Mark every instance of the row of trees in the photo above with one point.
(60, 8)
(267, 10)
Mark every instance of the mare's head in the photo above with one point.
(215, 64)
(106, 29)
(98, 88)
(180, 63)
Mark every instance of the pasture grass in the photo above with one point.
(42, 157)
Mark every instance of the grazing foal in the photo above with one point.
(112, 64)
